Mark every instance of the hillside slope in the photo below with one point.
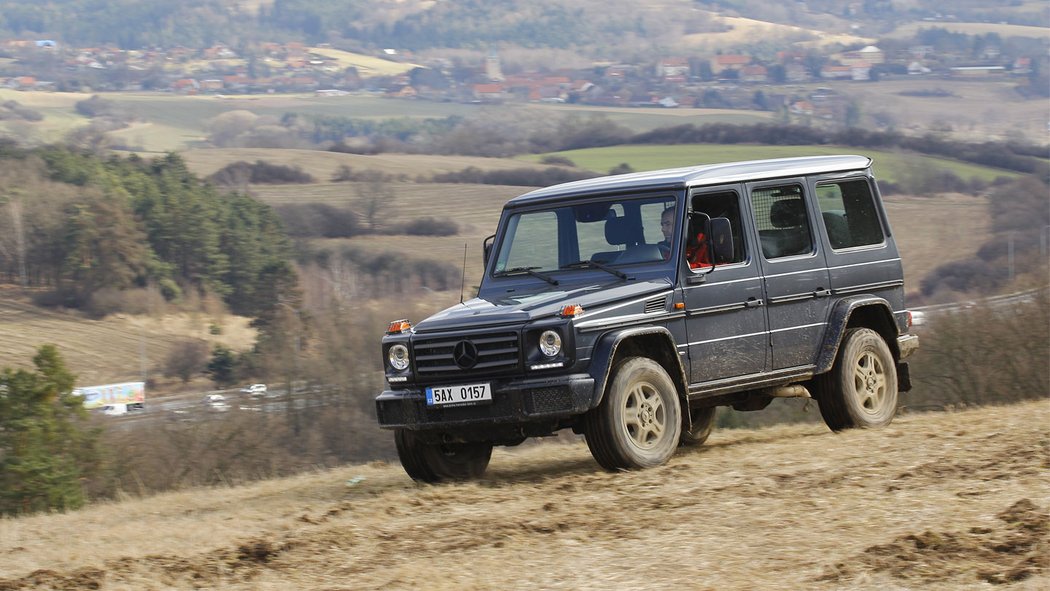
(935, 501)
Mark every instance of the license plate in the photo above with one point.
(469, 394)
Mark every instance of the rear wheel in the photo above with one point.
(437, 462)
(639, 422)
(861, 388)
(703, 420)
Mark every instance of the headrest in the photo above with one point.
(617, 231)
(787, 213)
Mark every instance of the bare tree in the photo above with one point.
(186, 360)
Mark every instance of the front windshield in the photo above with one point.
(614, 232)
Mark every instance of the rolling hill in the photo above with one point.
(949, 501)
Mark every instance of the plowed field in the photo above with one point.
(935, 501)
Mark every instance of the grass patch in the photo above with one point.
(888, 166)
(366, 65)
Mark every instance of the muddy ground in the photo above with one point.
(935, 501)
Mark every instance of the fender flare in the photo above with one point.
(606, 347)
(839, 319)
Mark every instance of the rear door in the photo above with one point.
(861, 255)
(796, 282)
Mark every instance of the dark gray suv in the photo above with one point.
(627, 308)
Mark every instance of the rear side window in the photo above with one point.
(850, 217)
(783, 227)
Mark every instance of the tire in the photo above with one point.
(639, 421)
(438, 462)
(860, 391)
(703, 420)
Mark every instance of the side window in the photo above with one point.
(850, 217)
(783, 226)
(536, 250)
(725, 204)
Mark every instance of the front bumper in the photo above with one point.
(513, 401)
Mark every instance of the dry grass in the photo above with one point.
(931, 231)
(909, 30)
(366, 65)
(977, 110)
(743, 31)
(107, 350)
(938, 501)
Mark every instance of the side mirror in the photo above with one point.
(722, 240)
(486, 249)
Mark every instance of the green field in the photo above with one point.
(889, 166)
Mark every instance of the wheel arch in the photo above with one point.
(857, 312)
(653, 342)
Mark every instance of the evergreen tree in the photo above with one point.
(45, 446)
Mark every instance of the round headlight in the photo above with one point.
(550, 343)
(398, 355)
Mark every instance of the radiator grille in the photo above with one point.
(495, 353)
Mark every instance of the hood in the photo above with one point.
(523, 307)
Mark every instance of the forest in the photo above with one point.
(84, 229)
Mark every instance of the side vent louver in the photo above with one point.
(656, 305)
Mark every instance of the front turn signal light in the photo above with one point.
(572, 311)
(398, 326)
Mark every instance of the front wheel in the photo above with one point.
(861, 388)
(639, 421)
(437, 462)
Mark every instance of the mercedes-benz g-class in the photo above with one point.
(627, 308)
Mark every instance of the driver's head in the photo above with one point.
(667, 222)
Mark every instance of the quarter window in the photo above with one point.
(850, 217)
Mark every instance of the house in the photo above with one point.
(860, 72)
(673, 69)
(836, 72)
(186, 86)
(1022, 66)
(977, 71)
(211, 85)
(754, 74)
(722, 63)
(488, 92)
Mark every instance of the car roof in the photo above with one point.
(695, 176)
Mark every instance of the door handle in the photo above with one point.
(821, 293)
(752, 303)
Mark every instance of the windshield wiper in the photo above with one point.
(526, 271)
(595, 265)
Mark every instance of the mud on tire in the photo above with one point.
(861, 388)
(639, 422)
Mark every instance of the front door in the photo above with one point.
(725, 318)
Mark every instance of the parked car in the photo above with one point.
(628, 308)
(254, 390)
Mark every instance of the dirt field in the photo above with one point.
(935, 501)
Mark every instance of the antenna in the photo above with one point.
(463, 280)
